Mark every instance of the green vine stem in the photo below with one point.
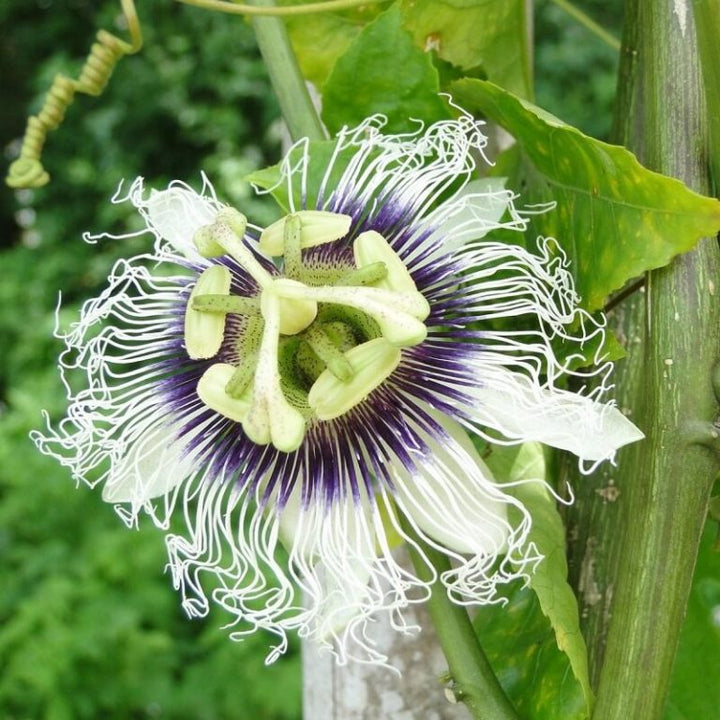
(587, 22)
(287, 81)
(473, 680)
(662, 484)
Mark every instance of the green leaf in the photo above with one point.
(598, 349)
(535, 643)
(694, 689)
(520, 644)
(362, 84)
(614, 218)
(319, 156)
(318, 43)
(475, 33)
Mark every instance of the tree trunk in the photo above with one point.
(359, 691)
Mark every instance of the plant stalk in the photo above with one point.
(288, 83)
(473, 679)
(664, 482)
(587, 22)
(316, 8)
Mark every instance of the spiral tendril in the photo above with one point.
(27, 171)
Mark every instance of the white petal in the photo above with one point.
(520, 409)
(153, 466)
(334, 549)
(480, 206)
(453, 498)
(177, 213)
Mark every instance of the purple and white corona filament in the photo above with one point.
(313, 385)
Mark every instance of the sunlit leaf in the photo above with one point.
(362, 84)
(614, 218)
(318, 44)
(475, 33)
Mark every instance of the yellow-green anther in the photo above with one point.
(211, 390)
(227, 304)
(371, 247)
(296, 314)
(204, 331)
(206, 244)
(399, 315)
(292, 255)
(317, 228)
(271, 417)
(372, 363)
(240, 380)
(368, 275)
(329, 353)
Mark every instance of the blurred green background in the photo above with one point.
(89, 624)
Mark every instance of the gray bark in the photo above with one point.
(368, 692)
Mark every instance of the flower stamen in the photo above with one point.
(241, 378)
(317, 227)
(292, 250)
(375, 305)
(271, 418)
(328, 352)
(225, 304)
(204, 331)
(398, 314)
(369, 275)
(211, 389)
(371, 248)
(371, 363)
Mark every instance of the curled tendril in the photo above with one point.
(27, 171)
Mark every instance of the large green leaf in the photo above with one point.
(469, 34)
(321, 39)
(615, 218)
(475, 33)
(361, 84)
(520, 645)
(695, 690)
(534, 642)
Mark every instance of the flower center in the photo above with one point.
(309, 349)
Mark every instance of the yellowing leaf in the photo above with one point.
(475, 33)
(614, 218)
